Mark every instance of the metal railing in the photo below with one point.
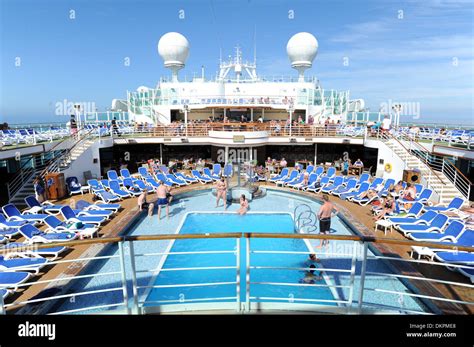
(40, 167)
(349, 293)
(274, 129)
(441, 164)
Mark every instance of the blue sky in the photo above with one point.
(406, 51)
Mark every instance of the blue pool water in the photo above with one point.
(193, 205)
(199, 223)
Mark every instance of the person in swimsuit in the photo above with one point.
(244, 205)
(221, 187)
(388, 208)
(310, 277)
(162, 192)
(324, 215)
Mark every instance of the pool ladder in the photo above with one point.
(305, 219)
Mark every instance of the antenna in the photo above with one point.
(255, 45)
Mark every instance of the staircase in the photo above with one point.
(21, 185)
(435, 179)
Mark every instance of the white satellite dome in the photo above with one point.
(174, 50)
(142, 89)
(302, 49)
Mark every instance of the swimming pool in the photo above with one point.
(200, 223)
(194, 205)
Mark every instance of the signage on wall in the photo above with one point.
(239, 138)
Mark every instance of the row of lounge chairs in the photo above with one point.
(18, 265)
(11, 137)
(117, 187)
(429, 223)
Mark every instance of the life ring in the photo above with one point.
(388, 167)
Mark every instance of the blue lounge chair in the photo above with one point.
(202, 179)
(385, 189)
(107, 197)
(455, 257)
(436, 224)
(124, 173)
(288, 179)
(152, 182)
(13, 214)
(362, 188)
(180, 182)
(452, 233)
(208, 173)
(57, 226)
(130, 187)
(296, 181)
(71, 217)
(419, 189)
(376, 183)
(425, 219)
(22, 264)
(454, 205)
(283, 174)
(95, 185)
(144, 174)
(363, 178)
(35, 206)
(217, 170)
(142, 185)
(6, 225)
(112, 176)
(85, 205)
(73, 186)
(310, 169)
(364, 201)
(34, 235)
(228, 171)
(414, 211)
(319, 170)
(423, 198)
(317, 188)
(188, 179)
(467, 271)
(117, 190)
(17, 248)
(330, 173)
(161, 177)
(311, 179)
(350, 186)
(14, 279)
(338, 180)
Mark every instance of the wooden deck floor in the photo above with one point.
(358, 215)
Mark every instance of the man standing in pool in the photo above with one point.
(162, 191)
(221, 187)
(324, 215)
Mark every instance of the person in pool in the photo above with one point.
(162, 192)
(221, 187)
(244, 205)
(313, 258)
(310, 277)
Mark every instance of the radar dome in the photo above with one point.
(302, 49)
(142, 89)
(173, 49)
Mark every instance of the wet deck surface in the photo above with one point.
(359, 216)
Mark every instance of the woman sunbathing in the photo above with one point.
(388, 208)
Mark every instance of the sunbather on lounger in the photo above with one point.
(388, 208)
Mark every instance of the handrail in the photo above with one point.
(459, 171)
(247, 235)
(16, 183)
(429, 168)
(464, 188)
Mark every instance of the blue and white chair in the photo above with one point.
(34, 235)
(437, 224)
